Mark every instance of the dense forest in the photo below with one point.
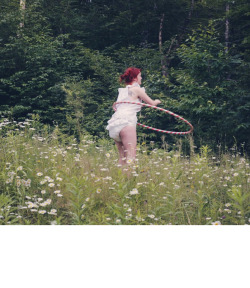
(61, 60)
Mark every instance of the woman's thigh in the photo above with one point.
(128, 137)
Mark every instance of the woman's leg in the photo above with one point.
(120, 148)
(129, 141)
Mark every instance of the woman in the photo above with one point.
(122, 125)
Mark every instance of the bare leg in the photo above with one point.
(120, 148)
(129, 141)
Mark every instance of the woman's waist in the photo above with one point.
(128, 108)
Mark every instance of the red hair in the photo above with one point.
(129, 75)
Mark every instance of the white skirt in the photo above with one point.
(115, 125)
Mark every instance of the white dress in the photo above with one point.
(125, 114)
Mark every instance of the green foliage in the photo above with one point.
(48, 178)
(206, 89)
(54, 48)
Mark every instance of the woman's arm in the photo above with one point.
(141, 94)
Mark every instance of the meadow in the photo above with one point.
(48, 178)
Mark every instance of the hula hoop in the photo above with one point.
(164, 110)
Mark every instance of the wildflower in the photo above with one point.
(59, 179)
(39, 174)
(104, 169)
(59, 195)
(134, 192)
(161, 184)
(216, 223)
(53, 223)
(43, 191)
(98, 190)
(208, 218)
(48, 201)
(51, 184)
(31, 205)
(57, 191)
(118, 220)
(43, 182)
(27, 183)
(227, 210)
(83, 206)
(107, 155)
(20, 168)
(235, 174)
(151, 216)
(44, 204)
(87, 199)
(108, 219)
(42, 211)
(228, 204)
(129, 161)
(53, 212)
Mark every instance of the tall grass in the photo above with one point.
(50, 178)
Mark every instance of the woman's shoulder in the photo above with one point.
(137, 89)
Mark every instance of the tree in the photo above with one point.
(203, 92)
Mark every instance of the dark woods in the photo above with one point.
(62, 61)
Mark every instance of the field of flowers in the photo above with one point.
(50, 178)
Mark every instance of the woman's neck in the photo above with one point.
(134, 84)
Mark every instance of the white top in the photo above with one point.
(126, 95)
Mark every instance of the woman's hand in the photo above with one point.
(156, 102)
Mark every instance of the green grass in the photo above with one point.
(49, 178)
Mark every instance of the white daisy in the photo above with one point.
(134, 192)
(42, 212)
(216, 223)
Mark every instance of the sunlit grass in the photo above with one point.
(49, 178)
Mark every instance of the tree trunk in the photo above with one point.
(22, 10)
(163, 59)
(191, 10)
(227, 29)
(160, 32)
